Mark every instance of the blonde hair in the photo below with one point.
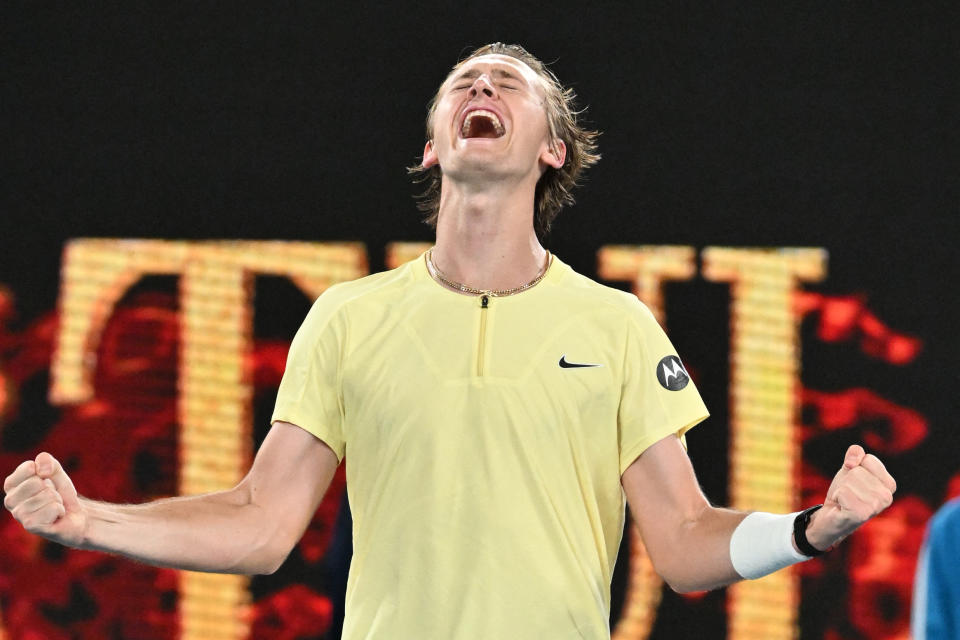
(554, 188)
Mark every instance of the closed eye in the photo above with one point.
(461, 87)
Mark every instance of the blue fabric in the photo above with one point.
(936, 609)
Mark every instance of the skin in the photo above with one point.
(485, 239)
(485, 234)
(249, 529)
(688, 539)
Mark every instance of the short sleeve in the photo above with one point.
(309, 394)
(657, 397)
(937, 599)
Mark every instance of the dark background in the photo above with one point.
(749, 124)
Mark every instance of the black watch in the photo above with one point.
(800, 533)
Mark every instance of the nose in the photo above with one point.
(483, 85)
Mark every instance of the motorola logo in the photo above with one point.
(671, 374)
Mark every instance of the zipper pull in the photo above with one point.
(484, 301)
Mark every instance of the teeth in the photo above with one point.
(465, 129)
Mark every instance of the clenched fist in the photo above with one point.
(42, 498)
(860, 490)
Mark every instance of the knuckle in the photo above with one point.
(48, 515)
(27, 487)
(879, 502)
(10, 483)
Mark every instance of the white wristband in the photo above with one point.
(763, 543)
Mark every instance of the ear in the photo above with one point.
(429, 155)
(555, 155)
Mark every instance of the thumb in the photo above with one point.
(854, 456)
(50, 468)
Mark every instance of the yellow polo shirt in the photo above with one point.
(484, 443)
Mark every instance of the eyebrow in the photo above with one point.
(471, 74)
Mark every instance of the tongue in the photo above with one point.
(481, 127)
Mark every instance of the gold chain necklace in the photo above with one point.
(438, 275)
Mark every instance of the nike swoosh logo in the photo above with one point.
(574, 365)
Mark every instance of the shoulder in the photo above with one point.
(375, 288)
(589, 293)
(945, 524)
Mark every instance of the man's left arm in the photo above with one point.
(689, 540)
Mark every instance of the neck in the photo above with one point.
(486, 239)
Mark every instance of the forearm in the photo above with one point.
(248, 529)
(696, 555)
(220, 532)
(696, 546)
(723, 546)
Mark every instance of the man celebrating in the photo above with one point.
(495, 406)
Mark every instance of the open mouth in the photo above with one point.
(481, 123)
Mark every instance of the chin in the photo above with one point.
(485, 164)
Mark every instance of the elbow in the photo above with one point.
(271, 564)
(687, 561)
(682, 586)
(266, 561)
(267, 547)
(284, 545)
(679, 586)
(276, 544)
(687, 582)
(274, 549)
(677, 580)
(674, 575)
(683, 578)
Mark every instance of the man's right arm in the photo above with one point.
(249, 529)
